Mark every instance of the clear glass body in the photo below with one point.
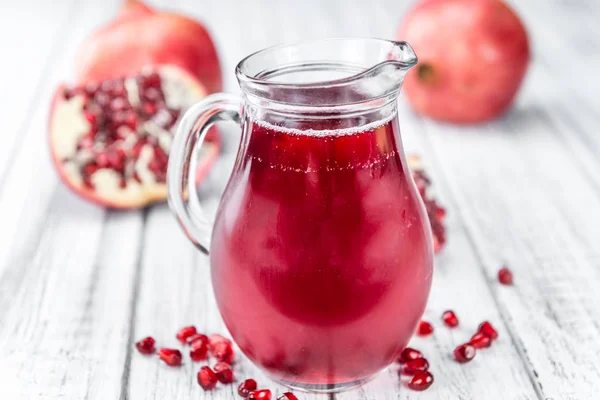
(321, 255)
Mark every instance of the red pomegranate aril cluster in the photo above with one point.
(450, 319)
(113, 119)
(249, 385)
(146, 345)
(505, 276)
(207, 379)
(412, 363)
(425, 328)
(171, 357)
(224, 372)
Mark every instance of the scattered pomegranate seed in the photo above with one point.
(421, 381)
(224, 372)
(223, 351)
(424, 329)
(287, 396)
(450, 319)
(184, 333)
(207, 378)
(480, 340)
(414, 366)
(146, 345)
(505, 276)
(171, 357)
(263, 394)
(487, 328)
(409, 354)
(197, 336)
(249, 385)
(216, 338)
(198, 347)
(464, 353)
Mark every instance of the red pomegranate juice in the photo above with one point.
(321, 257)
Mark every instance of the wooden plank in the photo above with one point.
(525, 202)
(67, 268)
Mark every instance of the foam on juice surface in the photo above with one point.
(325, 132)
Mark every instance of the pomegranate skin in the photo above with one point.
(473, 56)
(140, 36)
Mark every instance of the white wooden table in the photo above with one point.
(78, 284)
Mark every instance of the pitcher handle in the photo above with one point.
(182, 194)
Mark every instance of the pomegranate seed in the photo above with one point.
(197, 336)
(414, 366)
(102, 99)
(116, 159)
(488, 329)
(464, 353)
(107, 85)
(224, 372)
(171, 357)
(450, 319)
(118, 89)
(207, 378)
(198, 349)
(287, 396)
(223, 351)
(480, 340)
(119, 104)
(146, 345)
(86, 142)
(152, 95)
(90, 117)
(246, 387)
(421, 381)
(505, 276)
(184, 333)
(149, 108)
(91, 89)
(409, 354)
(102, 160)
(131, 120)
(150, 80)
(264, 394)
(424, 329)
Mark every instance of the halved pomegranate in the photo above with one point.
(110, 140)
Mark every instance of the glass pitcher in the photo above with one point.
(320, 254)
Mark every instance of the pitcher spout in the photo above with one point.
(386, 77)
(326, 73)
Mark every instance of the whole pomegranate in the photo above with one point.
(140, 36)
(473, 55)
(110, 139)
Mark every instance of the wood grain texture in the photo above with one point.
(79, 284)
